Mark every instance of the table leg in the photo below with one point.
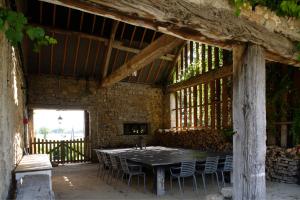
(159, 183)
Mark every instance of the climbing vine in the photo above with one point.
(15, 25)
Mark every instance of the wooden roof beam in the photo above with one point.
(201, 78)
(159, 47)
(107, 53)
(210, 22)
(116, 44)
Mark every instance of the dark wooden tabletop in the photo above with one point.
(155, 156)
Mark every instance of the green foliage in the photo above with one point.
(15, 25)
(44, 131)
(228, 134)
(289, 8)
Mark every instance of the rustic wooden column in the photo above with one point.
(249, 122)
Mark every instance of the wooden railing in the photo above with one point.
(63, 151)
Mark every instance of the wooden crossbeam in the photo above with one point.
(159, 47)
(109, 48)
(202, 21)
(116, 44)
(201, 78)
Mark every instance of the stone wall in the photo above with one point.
(108, 107)
(11, 113)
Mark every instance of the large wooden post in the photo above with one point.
(249, 122)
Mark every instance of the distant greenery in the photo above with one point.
(44, 131)
(15, 25)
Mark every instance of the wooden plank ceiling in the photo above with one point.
(90, 47)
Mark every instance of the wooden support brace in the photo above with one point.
(159, 47)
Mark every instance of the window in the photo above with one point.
(208, 103)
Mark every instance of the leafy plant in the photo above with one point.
(15, 25)
(289, 8)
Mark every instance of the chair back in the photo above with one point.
(98, 153)
(187, 168)
(228, 164)
(211, 164)
(124, 164)
(105, 159)
(113, 161)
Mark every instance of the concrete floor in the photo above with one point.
(79, 181)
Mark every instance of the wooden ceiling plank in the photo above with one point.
(107, 53)
(116, 44)
(94, 22)
(76, 55)
(54, 15)
(200, 21)
(69, 18)
(96, 58)
(159, 47)
(130, 42)
(81, 21)
(65, 55)
(117, 50)
(102, 27)
(41, 12)
(87, 57)
(51, 56)
(158, 71)
(152, 64)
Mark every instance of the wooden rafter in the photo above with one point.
(201, 78)
(117, 50)
(65, 54)
(109, 47)
(152, 64)
(201, 21)
(96, 58)
(116, 44)
(159, 47)
(87, 57)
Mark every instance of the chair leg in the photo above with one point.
(217, 180)
(129, 179)
(183, 184)
(144, 182)
(179, 185)
(223, 179)
(195, 186)
(203, 179)
(171, 180)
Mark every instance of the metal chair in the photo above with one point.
(114, 166)
(187, 169)
(227, 167)
(100, 164)
(132, 170)
(210, 167)
(107, 165)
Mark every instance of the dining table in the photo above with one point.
(160, 158)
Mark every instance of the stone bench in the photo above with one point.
(35, 187)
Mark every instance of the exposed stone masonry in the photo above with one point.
(11, 113)
(108, 107)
